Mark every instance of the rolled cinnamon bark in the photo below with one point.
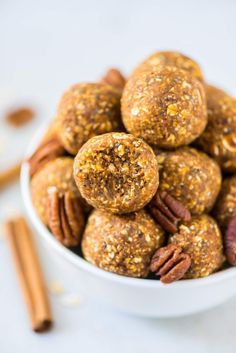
(10, 175)
(29, 273)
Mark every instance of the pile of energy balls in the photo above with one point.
(129, 174)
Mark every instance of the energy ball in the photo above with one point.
(171, 58)
(219, 137)
(56, 174)
(87, 110)
(116, 172)
(123, 244)
(58, 202)
(191, 177)
(201, 239)
(225, 207)
(165, 106)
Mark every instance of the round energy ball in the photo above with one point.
(165, 106)
(201, 239)
(116, 172)
(123, 244)
(87, 110)
(56, 174)
(58, 202)
(191, 177)
(219, 137)
(171, 58)
(225, 207)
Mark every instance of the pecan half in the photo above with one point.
(230, 242)
(65, 217)
(45, 153)
(114, 78)
(168, 212)
(170, 263)
(20, 116)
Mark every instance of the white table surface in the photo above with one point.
(45, 47)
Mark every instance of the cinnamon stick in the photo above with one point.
(10, 175)
(29, 273)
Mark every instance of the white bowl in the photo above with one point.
(136, 296)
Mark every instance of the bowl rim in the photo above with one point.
(78, 261)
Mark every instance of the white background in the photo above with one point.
(44, 47)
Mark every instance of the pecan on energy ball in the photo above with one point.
(47, 151)
(225, 207)
(116, 172)
(168, 212)
(123, 244)
(201, 239)
(171, 58)
(165, 106)
(192, 178)
(230, 242)
(87, 110)
(170, 263)
(49, 148)
(219, 137)
(58, 201)
(115, 78)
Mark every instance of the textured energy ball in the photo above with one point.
(161, 156)
(87, 110)
(165, 106)
(219, 137)
(225, 207)
(116, 172)
(191, 177)
(171, 58)
(201, 239)
(58, 174)
(123, 244)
